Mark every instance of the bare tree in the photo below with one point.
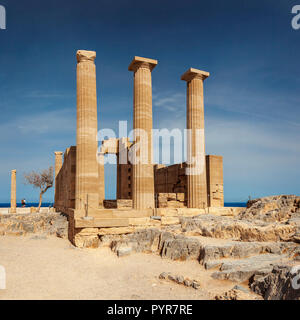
(41, 180)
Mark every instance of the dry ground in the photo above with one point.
(40, 267)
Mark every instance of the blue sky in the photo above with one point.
(252, 98)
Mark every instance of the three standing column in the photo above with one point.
(143, 174)
(87, 183)
(13, 196)
(196, 167)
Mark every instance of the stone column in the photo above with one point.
(58, 166)
(196, 168)
(87, 182)
(13, 196)
(143, 175)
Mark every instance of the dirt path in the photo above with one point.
(50, 268)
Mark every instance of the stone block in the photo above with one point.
(139, 221)
(86, 241)
(101, 223)
(125, 251)
(115, 231)
(180, 197)
(167, 212)
(169, 220)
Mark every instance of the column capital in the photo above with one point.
(195, 74)
(14, 171)
(139, 62)
(85, 56)
(58, 153)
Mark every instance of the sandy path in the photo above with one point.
(51, 268)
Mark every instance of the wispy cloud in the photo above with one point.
(58, 121)
(169, 101)
(236, 99)
(47, 95)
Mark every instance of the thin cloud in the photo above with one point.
(47, 95)
(169, 101)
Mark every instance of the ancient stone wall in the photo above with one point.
(173, 179)
(214, 171)
(170, 200)
(39, 223)
(65, 181)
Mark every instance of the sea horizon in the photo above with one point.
(50, 204)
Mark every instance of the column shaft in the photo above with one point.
(143, 174)
(196, 168)
(87, 182)
(13, 196)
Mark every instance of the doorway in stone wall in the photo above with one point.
(110, 175)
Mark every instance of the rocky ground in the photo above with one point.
(259, 248)
(43, 223)
(254, 255)
(47, 267)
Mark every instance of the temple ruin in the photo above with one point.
(147, 193)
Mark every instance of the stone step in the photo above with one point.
(243, 269)
(241, 250)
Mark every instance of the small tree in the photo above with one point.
(41, 180)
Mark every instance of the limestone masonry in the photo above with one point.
(144, 190)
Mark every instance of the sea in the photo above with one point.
(28, 204)
(50, 204)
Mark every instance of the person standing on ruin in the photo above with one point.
(23, 202)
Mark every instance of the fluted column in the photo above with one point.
(143, 175)
(58, 166)
(196, 168)
(87, 182)
(13, 196)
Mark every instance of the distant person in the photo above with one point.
(23, 202)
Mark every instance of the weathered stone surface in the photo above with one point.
(113, 231)
(271, 209)
(124, 251)
(144, 222)
(169, 220)
(170, 200)
(141, 241)
(232, 228)
(20, 224)
(244, 269)
(86, 238)
(232, 249)
(181, 248)
(277, 285)
(179, 279)
(163, 275)
(86, 241)
(237, 293)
